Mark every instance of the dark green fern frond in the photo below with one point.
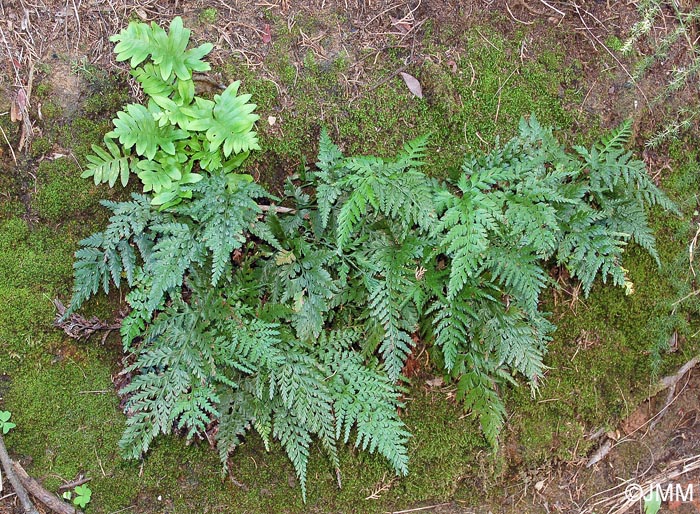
(477, 391)
(413, 153)
(367, 399)
(519, 271)
(510, 335)
(224, 216)
(172, 255)
(589, 248)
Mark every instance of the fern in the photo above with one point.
(223, 216)
(365, 398)
(138, 128)
(227, 121)
(297, 322)
(479, 395)
(108, 167)
(172, 256)
(390, 287)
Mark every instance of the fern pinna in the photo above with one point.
(297, 322)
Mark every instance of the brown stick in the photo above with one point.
(20, 491)
(277, 208)
(41, 494)
(669, 382)
(74, 483)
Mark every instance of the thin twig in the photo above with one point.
(613, 56)
(73, 484)
(553, 8)
(12, 151)
(516, 19)
(417, 509)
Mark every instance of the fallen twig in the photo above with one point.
(622, 501)
(37, 490)
(78, 327)
(669, 382)
(21, 492)
(73, 483)
(12, 151)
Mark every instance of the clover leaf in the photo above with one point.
(5, 421)
(83, 495)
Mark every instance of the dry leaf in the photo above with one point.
(453, 65)
(19, 104)
(271, 120)
(267, 36)
(15, 114)
(413, 84)
(435, 382)
(403, 26)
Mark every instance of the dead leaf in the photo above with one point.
(673, 342)
(452, 65)
(267, 36)
(15, 114)
(413, 84)
(435, 382)
(19, 104)
(271, 120)
(403, 26)
(141, 14)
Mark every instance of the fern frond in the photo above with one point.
(137, 127)
(108, 167)
(238, 412)
(513, 338)
(172, 255)
(520, 273)
(413, 153)
(328, 153)
(367, 399)
(478, 393)
(223, 216)
(589, 248)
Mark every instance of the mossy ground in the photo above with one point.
(61, 392)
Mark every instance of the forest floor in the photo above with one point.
(337, 64)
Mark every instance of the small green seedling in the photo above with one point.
(83, 495)
(652, 503)
(5, 421)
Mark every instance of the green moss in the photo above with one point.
(62, 194)
(466, 105)
(61, 411)
(42, 91)
(208, 15)
(51, 111)
(35, 265)
(614, 43)
(40, 146)
(109, 98)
